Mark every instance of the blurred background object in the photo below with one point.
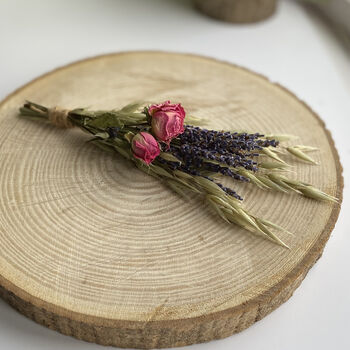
(237, 11)
(338, 11)
(250, 11)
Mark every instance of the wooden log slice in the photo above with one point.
(95, 249)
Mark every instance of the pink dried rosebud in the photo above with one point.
(167, 120)
(145, 147)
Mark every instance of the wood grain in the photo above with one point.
(93, 248)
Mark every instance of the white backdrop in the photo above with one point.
(295, 48)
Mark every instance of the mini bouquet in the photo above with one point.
(162, 141)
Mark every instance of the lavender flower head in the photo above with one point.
(201, 151)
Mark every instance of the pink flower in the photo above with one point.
(167, 120)
(145, 147)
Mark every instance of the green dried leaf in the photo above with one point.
(132, 107)
(118, 142)
(182, 175)
(132, 116)
(169, 157)
(160, 171)
(102, 135)
(123, 151)
(192, 120)
(105, 121)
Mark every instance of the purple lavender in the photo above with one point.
(201, 151)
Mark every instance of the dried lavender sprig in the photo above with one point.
(196, 159)
(198, 154)
(224, 140)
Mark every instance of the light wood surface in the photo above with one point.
(93, 248)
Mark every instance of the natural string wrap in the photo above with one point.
(59, 117)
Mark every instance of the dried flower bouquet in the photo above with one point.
(161, 141)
